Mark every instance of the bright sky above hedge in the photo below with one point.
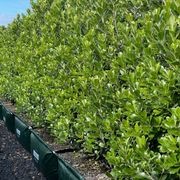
(10, 8)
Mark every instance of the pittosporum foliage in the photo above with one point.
(102, 74)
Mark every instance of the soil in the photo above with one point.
(18, 164)
(15, 162)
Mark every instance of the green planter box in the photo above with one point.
(23, 133)
(66, 172)
(8, 118)
(1, 116)
(44, 158)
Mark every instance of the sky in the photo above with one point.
(10, 8)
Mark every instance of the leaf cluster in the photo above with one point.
(104, 75)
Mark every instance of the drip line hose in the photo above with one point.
(47, 161)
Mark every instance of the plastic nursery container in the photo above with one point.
(66, 172)
(44, 158)
(23, 133)
(1, 111)
(8, 118)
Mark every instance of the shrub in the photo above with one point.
(102, 74)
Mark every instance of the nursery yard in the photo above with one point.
(103, 76)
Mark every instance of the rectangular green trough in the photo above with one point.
(1, 111)
(44, 158)
(23, 132)
(1, 105)
(66, 172)
(9, 119)
(47, 161)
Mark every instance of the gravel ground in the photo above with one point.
(15, 162)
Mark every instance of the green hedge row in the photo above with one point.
(102, 74)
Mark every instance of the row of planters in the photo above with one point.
(102, 74)
(47, 161)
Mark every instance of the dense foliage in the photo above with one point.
(103, 74)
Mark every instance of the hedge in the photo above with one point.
(104, 75)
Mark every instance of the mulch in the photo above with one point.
(15, 162)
